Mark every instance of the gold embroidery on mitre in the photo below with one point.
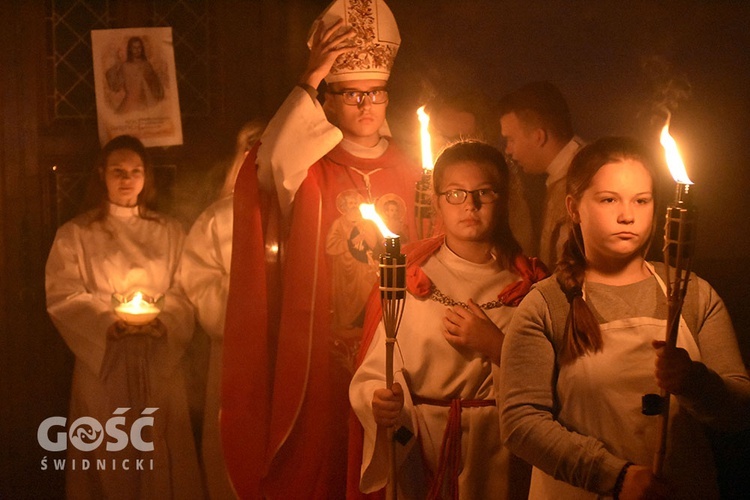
(370, 54)
(375, 42)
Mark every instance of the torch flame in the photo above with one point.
(368, 212)
(674, 160)
(424, 121)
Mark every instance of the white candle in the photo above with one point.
(137, 311)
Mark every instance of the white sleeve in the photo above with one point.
(297, 136)
(204, 266)
(177, 315)
(376, 447)
(81, 318)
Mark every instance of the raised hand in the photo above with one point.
(327, 45)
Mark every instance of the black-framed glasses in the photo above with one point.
(481, 196)
(355, 97)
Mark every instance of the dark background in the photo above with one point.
(617, 63)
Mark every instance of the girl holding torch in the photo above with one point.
(587, 344)
(463, 288)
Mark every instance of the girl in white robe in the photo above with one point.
(463, 287)
(123, 371)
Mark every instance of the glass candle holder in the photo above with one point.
(137, 307)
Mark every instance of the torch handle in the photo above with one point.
(392, 482)
(679, 242)
(673, 323)
(392, 297)
(661, 450)
(389, 363)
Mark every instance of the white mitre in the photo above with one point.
(377, 39)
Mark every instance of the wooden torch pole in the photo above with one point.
(679, 238)
(392, 298)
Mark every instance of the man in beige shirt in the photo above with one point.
(538, 133)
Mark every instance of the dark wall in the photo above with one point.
(615, 61)
(618, 63)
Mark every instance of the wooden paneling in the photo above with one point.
(35, 363)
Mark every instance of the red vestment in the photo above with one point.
(285, 390)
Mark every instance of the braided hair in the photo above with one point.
(582, 333)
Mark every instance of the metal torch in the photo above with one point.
(679, 246)
(392, 298)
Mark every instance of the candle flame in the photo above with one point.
(368, 212)
(141, 309)
(137, 305)
(424, 121)
(674, 160)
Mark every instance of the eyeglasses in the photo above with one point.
(481, 196)
(355, 97)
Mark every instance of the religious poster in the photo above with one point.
(136, 85)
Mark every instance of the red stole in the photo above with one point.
(245, 388)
